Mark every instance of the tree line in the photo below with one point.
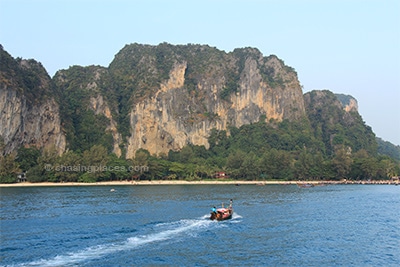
(259, 151)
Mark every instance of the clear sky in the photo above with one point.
(346, 46)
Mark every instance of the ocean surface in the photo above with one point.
(167, 225)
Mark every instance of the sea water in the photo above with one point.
(273, 225)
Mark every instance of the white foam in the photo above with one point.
(186, 226)
(236, 216)
(95, 252)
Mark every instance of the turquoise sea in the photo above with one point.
(273, 225)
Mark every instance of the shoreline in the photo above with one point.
(183, 182)
(153, 182)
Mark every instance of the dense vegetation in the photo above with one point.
(387, 148)
(276, 151)
(83, 127)
(334, 126)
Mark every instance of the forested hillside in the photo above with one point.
(388, 149)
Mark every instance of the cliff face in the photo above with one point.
(205, 92)
(29, 115)
(24, 125)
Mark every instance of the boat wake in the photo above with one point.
(164, 231)
(236, 216)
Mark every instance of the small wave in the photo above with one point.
(207, 216)
(236, 216)
(172, 230)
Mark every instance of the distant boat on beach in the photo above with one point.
(305, 185)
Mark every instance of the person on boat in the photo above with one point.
(214, 213)
(219, 215)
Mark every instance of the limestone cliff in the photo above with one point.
(29, 116)
(194, 100)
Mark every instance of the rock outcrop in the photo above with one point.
(29, 115)
(349, 103)
(24, 125)
(176, 115)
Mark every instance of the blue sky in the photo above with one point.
(346, 46)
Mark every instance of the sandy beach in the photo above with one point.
(204, 182)
(164, 182)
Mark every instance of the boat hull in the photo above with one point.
(222, 213)
(221, 216)
(305, 185)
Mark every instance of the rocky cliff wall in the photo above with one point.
(175, 116)
(24, 124)
(29, 113)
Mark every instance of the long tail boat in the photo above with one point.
(222, 213)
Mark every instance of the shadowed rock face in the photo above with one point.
(29, 114)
